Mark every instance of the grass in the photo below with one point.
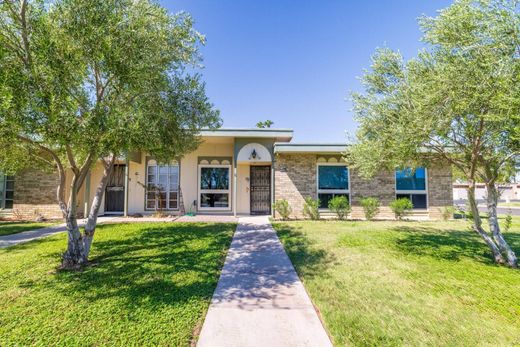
(509, 204)
(406, 283)
(150, 284)
(15, 227)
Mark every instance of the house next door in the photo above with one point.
(260, 183)
(115, 191)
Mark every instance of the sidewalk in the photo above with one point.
(259, 300)
(25, 236)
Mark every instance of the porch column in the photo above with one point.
(127, 169)
(86, 196)
(234, 188)
(272, 189)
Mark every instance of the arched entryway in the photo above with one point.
(254, 189)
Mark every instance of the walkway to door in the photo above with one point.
(259, 300)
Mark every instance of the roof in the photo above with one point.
(279, 134)
(324, 148)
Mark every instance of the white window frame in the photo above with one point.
(332, 191)
(418, 192)
(3, 197)
(168, 190)
(214, 191)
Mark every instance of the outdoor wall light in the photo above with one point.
(253, 154)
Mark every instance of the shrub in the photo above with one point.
(370, 207)
(400, 207)
(311, 208)
(283, 208)
(508, 221)
(447, 212)
(339, 205)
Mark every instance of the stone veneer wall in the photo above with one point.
(440, 189)
(295, 179)
(35, 194)
(382, 186)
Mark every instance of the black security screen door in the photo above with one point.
(115, 191)
(260, 181)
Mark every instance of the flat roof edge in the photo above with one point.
(260, 132)
(309, 148)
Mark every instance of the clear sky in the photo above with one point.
(295, 62)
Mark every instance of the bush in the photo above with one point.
(370, 207)
(447, 212)
(508, 221)
(283, 208)
(311, 208)
(401, 207)
(339, 205)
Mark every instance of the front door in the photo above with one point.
(115, 191)
(260, 183)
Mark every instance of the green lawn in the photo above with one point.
(8, 227)
(509, 204)
(406, 283)
(150, 284)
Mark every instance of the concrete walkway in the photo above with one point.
(26, 236)
(259, 300)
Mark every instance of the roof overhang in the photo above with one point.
(310, 148)
(281, 135)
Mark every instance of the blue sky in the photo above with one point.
(295, 62)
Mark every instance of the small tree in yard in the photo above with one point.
(264, 124)
(83, 81)
(401, 207)
(339, 205)
(370, 207)
(458, 100)
(311, 208)
(283, 208)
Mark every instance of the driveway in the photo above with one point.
(259, 300)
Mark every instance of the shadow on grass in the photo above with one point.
(305, 255)
(160, 265)
(448, 244)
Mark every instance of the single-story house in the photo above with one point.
(508, 192)
(234, 171)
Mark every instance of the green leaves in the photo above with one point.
(99, 77)
(459, 98)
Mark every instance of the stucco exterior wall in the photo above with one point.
(189, 169)
(243, 192)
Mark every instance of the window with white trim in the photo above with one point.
(162, 186)
(6, 191)
(214, 187)
(412, 184)
(333, 180)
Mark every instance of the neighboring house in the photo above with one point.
(236, 171)
(508, 192)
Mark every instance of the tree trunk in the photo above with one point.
(75, 256)
(477, 225)
(90, 226)
(494, 226)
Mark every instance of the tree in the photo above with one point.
(458, 100)
(83, 81)
(265, 124)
